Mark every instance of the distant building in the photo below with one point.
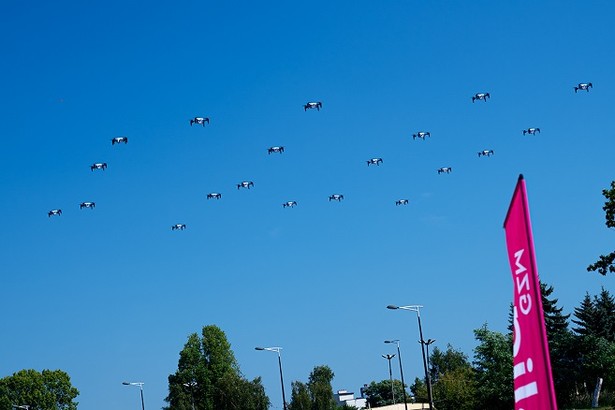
(347, 398)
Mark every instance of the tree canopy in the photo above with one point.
(606, 263)
(46, 390)
(208, 377)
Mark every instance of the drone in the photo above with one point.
(374, 161)
(279, 150)
(214, 195)
(180, 227)
(531, 131)
(445, 170)
(481, 96)
(583, 87)
(401, 202)
(312, 105)
(98, 165)
(117, 140)
(336, 197)
(421, 135)
(245, 184)
(90, 205)
(199, 120)
(54, 212)
(289, 204)
(485, 153)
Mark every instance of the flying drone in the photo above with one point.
(118, 140)
(90, 205)
(214, 195)
(54, 212)
(446, 170)
(245, 184)
(485, 153)
(199, 120)
(278, 150)
(401, 202)
(531, 131)
(289, 204)
(180, 227)
(374, 161)
(583, 87)
(481, 96)
(311, 105)
(421, 135)
(336, 197)
(98, 165)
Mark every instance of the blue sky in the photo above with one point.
(111, 294)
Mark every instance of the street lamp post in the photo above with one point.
(401, 371)
(277, 350)
(191, 385)
(417, 310)
(140, 384)
(389, 357)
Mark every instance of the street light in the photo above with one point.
(389, 357)
(401, 370)
(427, 343)
(417, 310)
(277, 350)
(140, 384)
(191, 385)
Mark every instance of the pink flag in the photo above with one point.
(532, 365)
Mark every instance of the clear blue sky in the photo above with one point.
(111, 294)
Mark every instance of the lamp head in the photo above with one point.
(392, 307)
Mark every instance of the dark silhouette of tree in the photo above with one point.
(208, 377)
(606, 263)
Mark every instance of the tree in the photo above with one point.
(456, 390)
(444, 362)
(320, 388)
(493, 364)
(300, 397)
(585, 317)
(46, 390)
(379, 393)
(606, 263)
(452, 379)
(209, 378)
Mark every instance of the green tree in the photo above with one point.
(456, 390)
(379, 393)
(493, 365)
(46, 390)
(442, 362)
(419, 390)
(585, 316)
(209, 378)
(606, 263)
(300, 397)
(320, 388)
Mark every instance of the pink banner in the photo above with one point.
(532, 365)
